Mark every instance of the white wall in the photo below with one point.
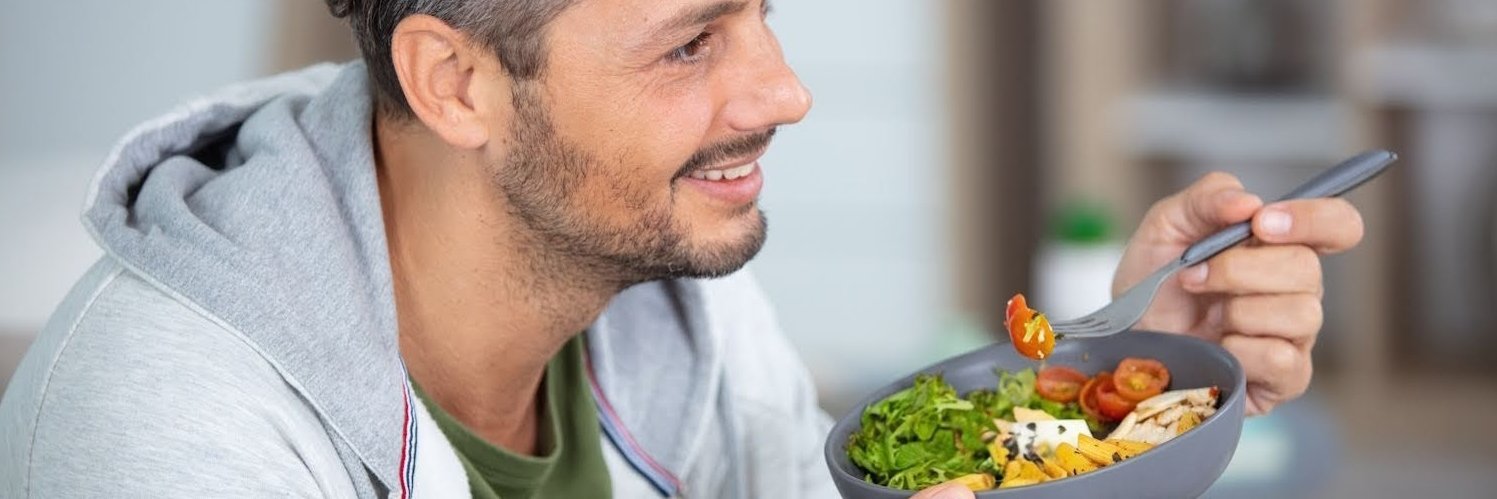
(858, 255)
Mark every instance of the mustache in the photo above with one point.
(726, 151)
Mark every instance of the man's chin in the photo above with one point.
(727, 253)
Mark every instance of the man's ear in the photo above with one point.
(446, 80)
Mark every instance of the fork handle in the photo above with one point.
(1331, 183)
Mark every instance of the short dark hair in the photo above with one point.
(514, 29)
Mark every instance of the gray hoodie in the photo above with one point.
(239, 337)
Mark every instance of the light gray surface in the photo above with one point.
(77, 74)
(1183, 467)
(12, 347)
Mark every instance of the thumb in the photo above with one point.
(1215, 201)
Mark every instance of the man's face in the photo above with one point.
(636, 153)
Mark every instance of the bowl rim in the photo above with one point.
(1234, 404)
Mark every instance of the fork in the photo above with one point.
(1127, 309)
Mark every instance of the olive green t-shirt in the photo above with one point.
(572, 461)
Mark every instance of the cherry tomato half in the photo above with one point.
(1088, 396)
(1112, 405)
(1031, 332)
(1059, 383)
(1017, 315)
(1138, 379)
(1016, 305)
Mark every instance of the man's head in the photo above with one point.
(622, 135)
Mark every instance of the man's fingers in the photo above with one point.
(1276, 369)
(1293, 317)
(1215, 201)
(1329, 225)
(1218, 200)
(948, 490)
(1252, 270)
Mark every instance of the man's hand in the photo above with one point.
(948, 490)
(1260, 300)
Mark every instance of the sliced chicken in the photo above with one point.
(1159, 418)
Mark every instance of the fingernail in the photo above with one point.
(1275, 222)
(1195, 275)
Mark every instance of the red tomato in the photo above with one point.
(1059, 383)
(1138, 379)
(1030, 331)
(1110, 404)
(1015, 318)
(1015, 305)
(1088, 397)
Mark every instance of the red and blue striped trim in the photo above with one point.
(661, 478)
(408, 443)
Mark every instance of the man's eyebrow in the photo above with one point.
(699, 15)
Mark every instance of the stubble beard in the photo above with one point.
(540, 180)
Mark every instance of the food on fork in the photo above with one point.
(1030, 330)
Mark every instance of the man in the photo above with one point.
(500, 258)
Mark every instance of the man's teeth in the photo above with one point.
(733, 173)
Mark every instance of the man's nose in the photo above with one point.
(767, 92)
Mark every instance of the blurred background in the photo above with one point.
(960, 151)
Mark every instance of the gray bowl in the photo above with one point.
(1183, 467)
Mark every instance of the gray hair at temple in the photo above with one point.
(513, 29)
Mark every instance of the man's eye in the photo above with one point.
(693, 51)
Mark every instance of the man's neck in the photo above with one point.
(478, 318)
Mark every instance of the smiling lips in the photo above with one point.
(733, 173)
(732, 186)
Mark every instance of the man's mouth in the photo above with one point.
(729, 160)
(731, 173)
(728, 173)
(729, 185)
